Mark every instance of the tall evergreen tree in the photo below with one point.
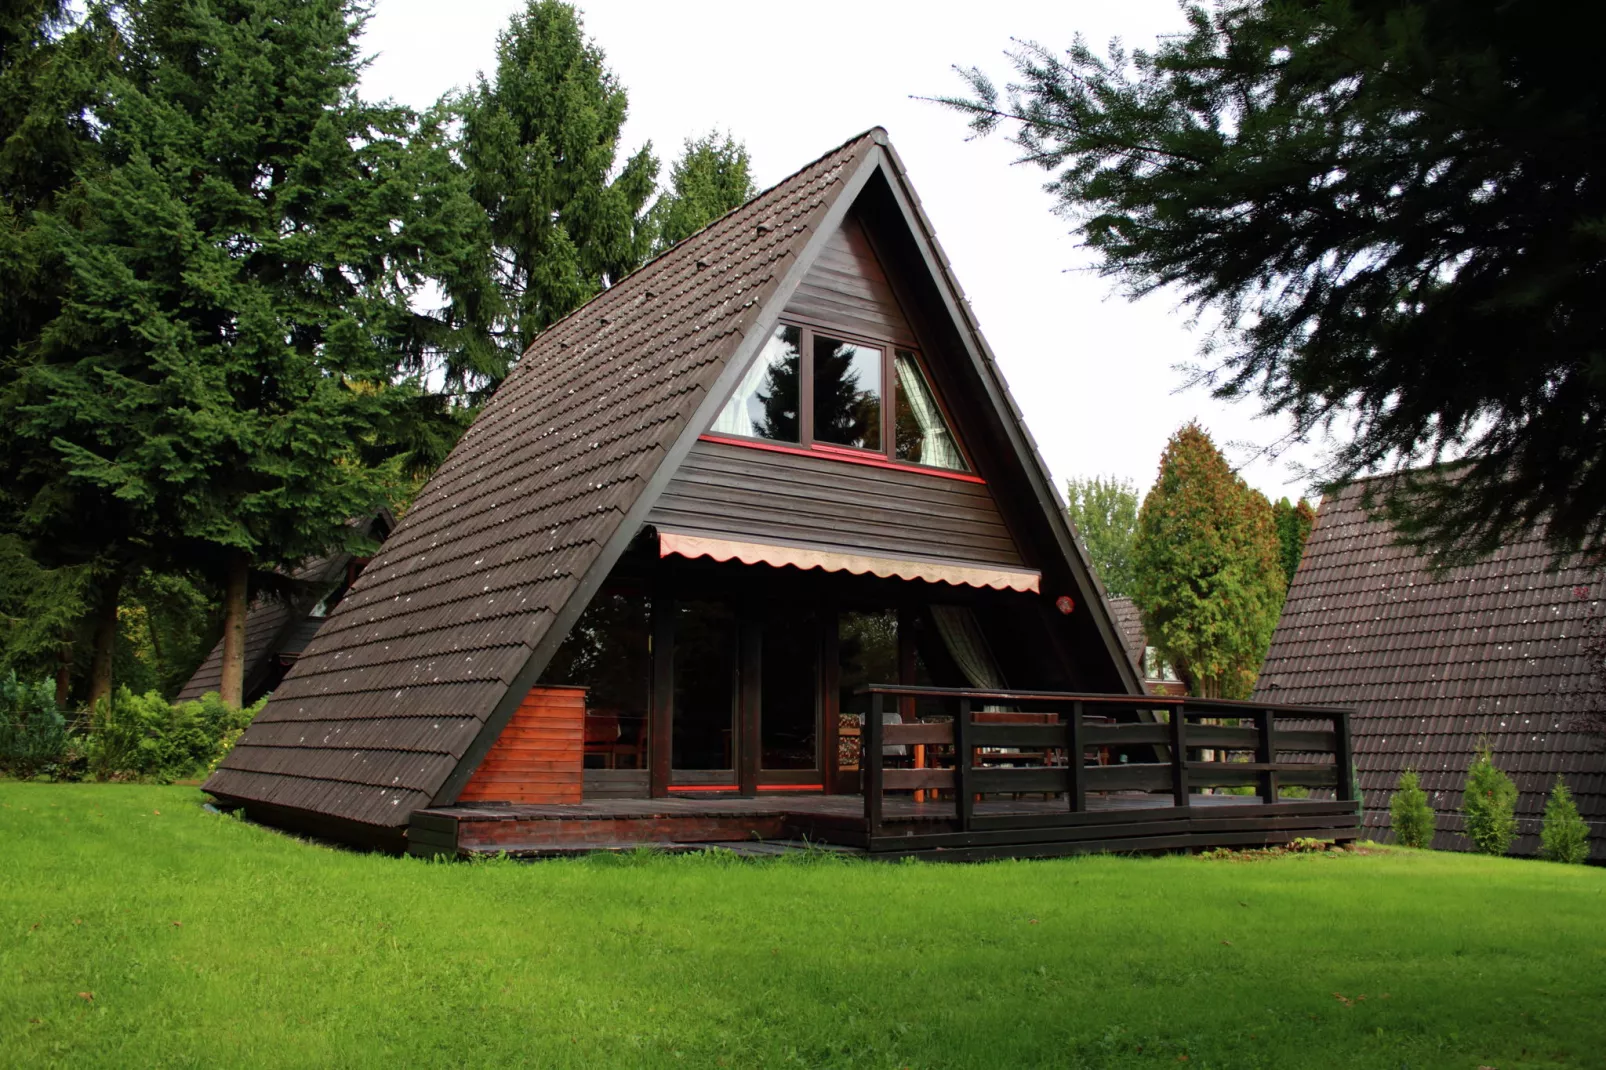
(227, 367)
(1104, 512)
(1395, 207)
(712, 176)
(540, 142)
(1294, 524)
(1208, 570)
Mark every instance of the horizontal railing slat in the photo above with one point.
(933, 733)
(914, 779)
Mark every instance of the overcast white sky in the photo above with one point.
(1095, 374)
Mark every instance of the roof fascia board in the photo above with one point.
(746, 352)
(1020, 440)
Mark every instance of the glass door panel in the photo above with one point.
(867, 645)
(703, 728)
(789, 689)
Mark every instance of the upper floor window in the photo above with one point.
(817, 390)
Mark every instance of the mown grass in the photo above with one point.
(137, 929)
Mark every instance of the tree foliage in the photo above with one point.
(1294, 524)
(1394, 208)
(540, 142)
(1489, 803)
(712, 176)
(1410, 816)
(1564, 836)
(1207, 569)
(1104, 512)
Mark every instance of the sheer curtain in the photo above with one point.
(936, 443)
(961, 634)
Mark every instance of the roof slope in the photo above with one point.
(1430, 665)
(378, 711)
(1129, 619)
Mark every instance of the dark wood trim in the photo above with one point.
(847, 454)
(830, 698)
(1266, 752)
(746, 740)
(663, 690)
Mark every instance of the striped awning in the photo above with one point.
(832, 559)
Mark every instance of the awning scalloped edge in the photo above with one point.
(758, 553)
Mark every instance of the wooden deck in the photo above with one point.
(1020, 828)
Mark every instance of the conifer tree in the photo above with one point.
(228, 366)
(1104, 512)
(1489, 803)
(1564, 836)
(1207, 569)
(712, 176)
(540, 142)
(1410, 816)
(1294, 524)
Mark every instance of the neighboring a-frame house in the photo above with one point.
(772, 466)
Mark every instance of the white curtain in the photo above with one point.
(734, 418)
(961, 634)
(936, 442)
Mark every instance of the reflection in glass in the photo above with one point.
(608, 652)
(847, 394)
(705, 686)
(788, 711)
(868, 654)
(921, 434)
(765, 403)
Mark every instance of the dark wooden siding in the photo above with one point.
(734, 491)
(847, 288)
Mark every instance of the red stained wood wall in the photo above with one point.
(539, 756)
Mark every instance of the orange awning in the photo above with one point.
(929, 569)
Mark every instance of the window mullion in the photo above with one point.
(805, 388)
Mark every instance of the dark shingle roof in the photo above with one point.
(1129, 619)
(383, 704)
(1431, 665)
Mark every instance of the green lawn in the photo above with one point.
(137, 929)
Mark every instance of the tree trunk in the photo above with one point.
(100, 666)
(232, 687)
(64, 670)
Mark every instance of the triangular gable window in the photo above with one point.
(815, 389)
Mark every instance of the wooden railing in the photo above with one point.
(1055, 732)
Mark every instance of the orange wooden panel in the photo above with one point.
(538, 758)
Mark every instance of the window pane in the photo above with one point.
(847, 394)
(868, 653)
(922, 434)
(765, 404)
(705, 686)
(788, 708)
(608, 651)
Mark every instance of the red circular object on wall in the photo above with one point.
(1065, 603)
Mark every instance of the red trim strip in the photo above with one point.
(791, 787)
(839, 454)
(732, 786)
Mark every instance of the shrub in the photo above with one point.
(144, 737)
(1565, 837)
(33, 733)
(1489, 802)
(1409, 813)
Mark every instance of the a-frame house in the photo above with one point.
(774, 466)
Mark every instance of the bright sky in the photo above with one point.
(1095, 375)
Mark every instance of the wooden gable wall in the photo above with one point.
(743, 491)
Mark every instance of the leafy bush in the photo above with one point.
(144, 737)
(33, 733)
(1409, 813)
(1565, 836)
(1489, 802)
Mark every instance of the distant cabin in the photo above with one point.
(1431, 665)
(1158, 677)
(718, 527)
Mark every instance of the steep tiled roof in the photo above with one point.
(1129, 619)
(1431, 665)
(380, 708)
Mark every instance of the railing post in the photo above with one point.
(1344, 758)
(871, 759)
(1076, 788)
(1179, 756)
(964, 753)
(1266, 754)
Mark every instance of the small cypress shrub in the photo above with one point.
(1409, 813)
(1489, 802)
(33, 733)
(1565, 837)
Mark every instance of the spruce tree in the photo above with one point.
(1207, 569)
(1410, 816)
(228, 368)
(712, 176)
(540, 142)
(1104, 512)
(1564, 836)
(1489, 803)
(1294, 524)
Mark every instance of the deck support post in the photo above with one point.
(1179, 755)
(1076, 778)
(964, 754)
(1266, 754)
(1344, 758)
(871, 759)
